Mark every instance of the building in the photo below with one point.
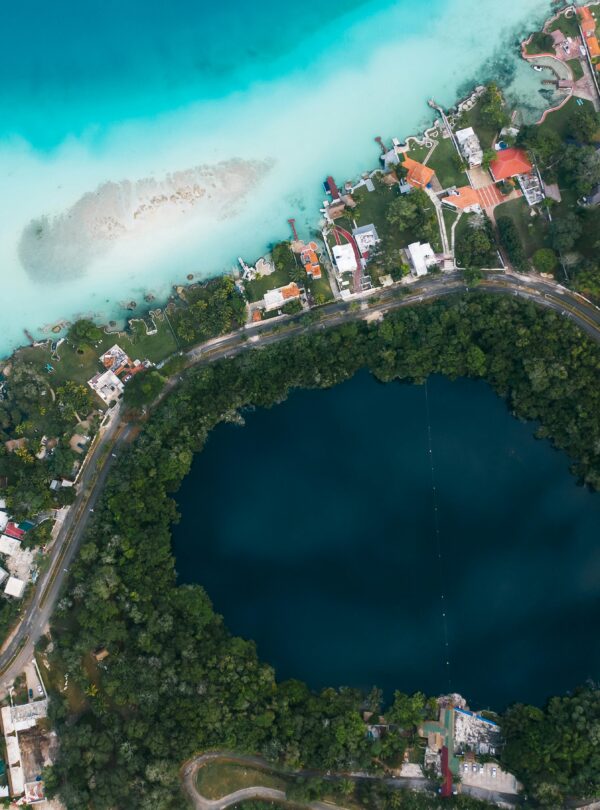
(107, 385)
(310, 261)
(345, 258)
(366, 238)
(510, 163)
(3, 575)
(15, 587)
(463, 199)
(116, 360)
(421, 257)
(274, 299)
(9, 545)
(531, 187)
(26, 755)
(469, 145)
(588, 26)
(418, 175)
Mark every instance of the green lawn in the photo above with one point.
(218, 779)
(569, 27)
(255, 290)
(559, 119)
(485, 133)
(81, 365)
(450, 218)
(576, 68)
(321, 286)
(444, 162)
(419, 153)
(533, 231)
(540, 43)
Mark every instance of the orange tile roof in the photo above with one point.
(464, 198)
(290, 291)
(594, 46)
(419, 175)
(588, 23)
(257, 315)
(510, 162)
(313, 270)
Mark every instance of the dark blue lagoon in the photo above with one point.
(313, 529)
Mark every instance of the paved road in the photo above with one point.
(38, 611)
(189, 774)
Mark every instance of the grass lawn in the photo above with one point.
(540, 43)
(485, 133)
(443, 161)
(372, 208)
(419, 153)
(559, 119)
(576, 68)
(79, 367)
(320, 286)
(255, 290)
(450, 218)
(533, 231)
(218, 779)
(568, 26)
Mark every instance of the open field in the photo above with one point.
(218, 779)
(559, 120)
(569, 26)
(255, 290)
(444, 161)
(533, 231)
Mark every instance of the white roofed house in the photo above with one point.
(366, 237)
(107, 385)
(421, 257)
(274, 299)
(15, 587)
(9, 546)
(470, 146)
(344, 257)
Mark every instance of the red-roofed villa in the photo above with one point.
(510, 163)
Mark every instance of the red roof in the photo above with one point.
(13, 531)
(509, 163)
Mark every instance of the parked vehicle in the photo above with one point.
(494, 773)
(30, 693)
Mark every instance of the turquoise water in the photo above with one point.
(312, 529)
(267, 98)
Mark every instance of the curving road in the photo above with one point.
(18, 651)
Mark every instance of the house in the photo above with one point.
(12, 530)
(15, 587)
(588, 26)
(418, 175)
(421, 257)
(469, 145)
(345, 258)
(282, 295)
(366, 238)
(9, 546)
(100, 654)
(310, 261)
(107, 385)
(510, 163)
(463, 199)
(115, 359)
(593, 198)
(3, 520)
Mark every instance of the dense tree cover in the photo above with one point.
(545, 260)
(511, 241)
(31, 409)
(556, 751)
(143, 388)
(493, 109)
(584, 124)
(84, 333)
(209, 309)
(476, 245)
(175, 681)
(415, 214)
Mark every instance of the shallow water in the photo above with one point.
(134, 92)
(312, 529)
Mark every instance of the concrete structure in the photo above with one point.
(366, 237)
(9, 546)
(421, 257)
(3, 575)
(108, 386)
(17, 719)
(531, 187)
(15, 587)
(115, 359)
(344, 257)
(469, 146)
(282, 295)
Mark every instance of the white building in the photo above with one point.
(366, 237)
(107, 385)
(274, 299)
(3, 520)
(115, 358)
(345, 260)
(421, 257)
(9, 546)
(3, 575)
(15, 587)
(470, 146)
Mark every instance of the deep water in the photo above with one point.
(312, 528)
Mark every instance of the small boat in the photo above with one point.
(538, 68)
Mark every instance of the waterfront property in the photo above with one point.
(275, 299)
(470, 146)
(418, 175)
(108, 386)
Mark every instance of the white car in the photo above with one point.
(465, 767)
(494, 773)
(475, 768)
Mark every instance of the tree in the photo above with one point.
(509, 236)
(415, 214)
(84, 333)
(584, 124)
(493, 110)
(143, 388)
(545, 260)
(566, 230)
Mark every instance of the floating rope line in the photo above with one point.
(438, 542)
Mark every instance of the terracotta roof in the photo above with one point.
(509, 163)
(594, 46)
(290, 291)
(256, 316)
(419, 175)
(465, 197)
(313, 270)
(588, 23)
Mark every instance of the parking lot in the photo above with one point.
(482, 776)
